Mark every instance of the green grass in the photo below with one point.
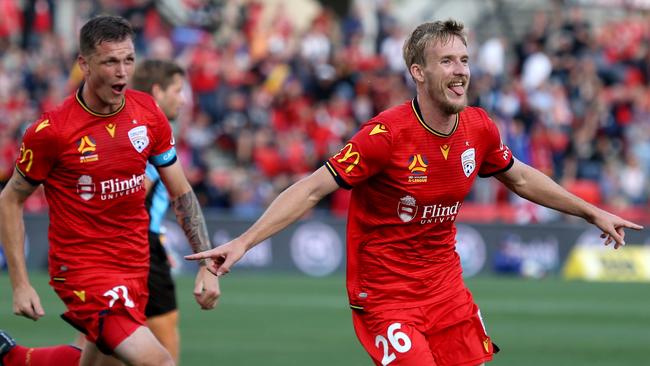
(291, 320)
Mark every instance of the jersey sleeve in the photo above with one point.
(367, 152)
(163, 152)
(498, 157)
(38, 151)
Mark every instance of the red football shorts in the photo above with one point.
(107, 308)
(450, 333)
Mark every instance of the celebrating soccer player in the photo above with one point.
(90, 155)
(162, 79)
(409, 169)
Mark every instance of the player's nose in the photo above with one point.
(121, 70)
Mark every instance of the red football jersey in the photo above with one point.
(92, 167)
(408, 182)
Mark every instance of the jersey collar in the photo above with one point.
(83, 105)
(418, 114)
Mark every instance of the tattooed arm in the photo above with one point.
(189, 216)
(12, 236)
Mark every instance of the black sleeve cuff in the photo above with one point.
(337, 176)
(28, 179)
(510, 164)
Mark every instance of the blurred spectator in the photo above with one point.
(273, 97)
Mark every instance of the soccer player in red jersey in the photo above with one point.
(90, 155)
(410, 168)
(163, 79)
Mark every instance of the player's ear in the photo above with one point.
(156, 91)
(417, 72)
(83, 64)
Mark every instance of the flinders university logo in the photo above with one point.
(85, 187)
(407, 208)
(139, 138)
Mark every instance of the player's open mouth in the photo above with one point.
(458, 87)
(118, 88)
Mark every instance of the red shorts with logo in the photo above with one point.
(450, 333)
(107, 308)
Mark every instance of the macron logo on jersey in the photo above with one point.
(444, 149)
(110, 128)
(378, 129)
(42, 125)
(407, 210)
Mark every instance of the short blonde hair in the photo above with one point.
(438, 31)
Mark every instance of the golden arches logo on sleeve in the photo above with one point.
(26, 155)
(349, 156)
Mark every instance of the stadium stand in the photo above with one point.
(275, 94)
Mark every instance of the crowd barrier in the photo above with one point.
(316, 247)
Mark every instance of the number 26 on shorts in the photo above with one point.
(398, 341)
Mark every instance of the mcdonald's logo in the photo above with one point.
(349, 156)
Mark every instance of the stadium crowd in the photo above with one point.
(271, 101)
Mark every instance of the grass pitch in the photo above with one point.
(292, 320)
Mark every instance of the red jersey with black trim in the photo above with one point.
(92, 167)
(408, 183)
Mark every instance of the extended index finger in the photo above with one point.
(196, 256)
(632, 225)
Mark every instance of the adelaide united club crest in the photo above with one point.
(139, 138)
(468, 161)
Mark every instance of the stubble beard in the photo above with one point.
(446, 106)
(450, 108)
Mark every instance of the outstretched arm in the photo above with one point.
(535, 186)
(12, 235)
(288, 207)
(190, 218)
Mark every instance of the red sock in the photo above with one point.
(64, 355)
